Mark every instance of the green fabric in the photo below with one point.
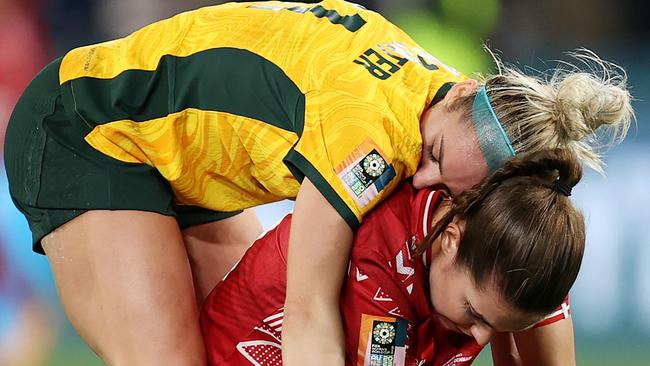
(55, 176)
(442, 91)
(350, 22)
(300, 167)
(228, 80)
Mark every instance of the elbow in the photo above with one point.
(302, 310)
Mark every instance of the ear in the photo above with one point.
(451, 237)
(460, 90)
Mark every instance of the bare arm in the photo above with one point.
(504, 350)
(319, 247)
(550, 345)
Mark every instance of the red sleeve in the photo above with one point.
(562, 312)
(241, 319)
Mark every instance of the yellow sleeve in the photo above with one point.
(350, 151)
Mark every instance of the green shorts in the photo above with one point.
(55, 176)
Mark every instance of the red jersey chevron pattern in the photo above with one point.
(384, 303)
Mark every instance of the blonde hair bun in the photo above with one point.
(568, 107)
(587, 101)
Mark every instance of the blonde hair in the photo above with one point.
(562, 108)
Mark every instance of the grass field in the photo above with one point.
(595, 354)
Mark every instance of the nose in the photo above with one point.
(482, 334)
(426, 176)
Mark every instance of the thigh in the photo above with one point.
(214, 248)
(125, 283)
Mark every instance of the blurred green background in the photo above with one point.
(611, 299)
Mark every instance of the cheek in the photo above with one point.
(448, 301)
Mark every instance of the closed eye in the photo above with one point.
(476, 316)
(430, 157)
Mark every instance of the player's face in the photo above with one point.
(451, 154)
(463, 307)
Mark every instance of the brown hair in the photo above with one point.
(561, 108)
(521, 231)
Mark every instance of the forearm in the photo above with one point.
(312, 334)
(504, 350)
(319, 246)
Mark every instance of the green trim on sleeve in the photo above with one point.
(442, 92)
(300, 167)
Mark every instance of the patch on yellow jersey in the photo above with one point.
(365, 172)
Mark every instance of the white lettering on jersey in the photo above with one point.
(458, 359)
(294, 8)
(414, 54)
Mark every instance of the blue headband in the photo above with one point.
(494, 142)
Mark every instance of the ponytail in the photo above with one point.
(563, 109)
(521, 229)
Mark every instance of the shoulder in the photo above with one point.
(385, 227)
(405, 215)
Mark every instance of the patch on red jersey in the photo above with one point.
(382, 341)
(365, 173)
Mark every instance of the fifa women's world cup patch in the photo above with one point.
(382, 341)
(365, 173)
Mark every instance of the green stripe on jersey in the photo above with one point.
(300, 167)
(228, 80)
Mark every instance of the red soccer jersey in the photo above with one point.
(387, 315)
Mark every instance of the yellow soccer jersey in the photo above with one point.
(235, 104)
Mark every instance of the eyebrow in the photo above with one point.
(479, 316)
(440, 150)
